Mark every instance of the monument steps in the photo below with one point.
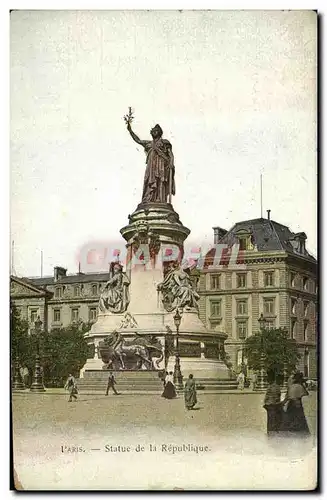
(215, 384)
(96, 380)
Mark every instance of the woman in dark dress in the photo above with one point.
(190, 393)
(272, 404)
(294, 420)
(169, 390)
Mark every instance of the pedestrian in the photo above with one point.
(254, 381)
(241, 380)
(290, 380)
(272, 404)
(71, 386)
(169, 390)
(42, 374)
(294, 420)
(304, 382)
(190, 393)
(25, 375)
(111, 384)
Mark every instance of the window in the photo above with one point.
(58, 292)
(75, 312)
(242, 306)
(34, 314)
(241, 329)
(293, 306)
(56, 315)
(215, 281)
(245, 241)
(214, 324)
(269, 306)
(94, 289)
(270, 324)
(293, 328)
(306, 330)
(292, 276)
(92, 313)
(241, 280)
(215, 308)
(305, 283)
(242, 243)
(305, 308)
(77, 291)
(269, 278)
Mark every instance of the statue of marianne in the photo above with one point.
(115, 296)
(159, 178)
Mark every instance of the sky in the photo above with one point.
(234, 92)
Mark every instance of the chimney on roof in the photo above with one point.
(218, 234)
(268, 214)
(59, 272)
(299, 239)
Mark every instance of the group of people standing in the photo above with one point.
(169, 391)
(286, 416)
(243, 381)
(71, 386)
(283, 416)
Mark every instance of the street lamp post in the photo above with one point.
(178, 377)
(37, 384)
(17, 381)
(261, 380)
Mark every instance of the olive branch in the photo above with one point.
(129, 117)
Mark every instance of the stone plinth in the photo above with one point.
(155, 235)
(160, 219)
(126, 381)
(200, 368)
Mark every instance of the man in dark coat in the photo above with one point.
(71, 387)
(111, 383)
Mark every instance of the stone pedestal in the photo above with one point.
(155, 237)
(200, 368)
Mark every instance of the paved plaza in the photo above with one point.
(95, 412)
(65, 445)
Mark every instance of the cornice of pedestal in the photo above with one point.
(159, 219)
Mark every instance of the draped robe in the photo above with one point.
(159, 162)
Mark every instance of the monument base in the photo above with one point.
(200, 368)
(155, 232)
(127, 380)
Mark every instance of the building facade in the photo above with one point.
(274, 275)
(60, 299)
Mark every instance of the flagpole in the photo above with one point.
(261, 195)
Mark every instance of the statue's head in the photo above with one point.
(117, 268)
(156, 132)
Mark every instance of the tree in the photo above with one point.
(22, 345)
(278, 350)
(64, 351)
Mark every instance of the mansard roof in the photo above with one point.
(70, 279)
(266, 236)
